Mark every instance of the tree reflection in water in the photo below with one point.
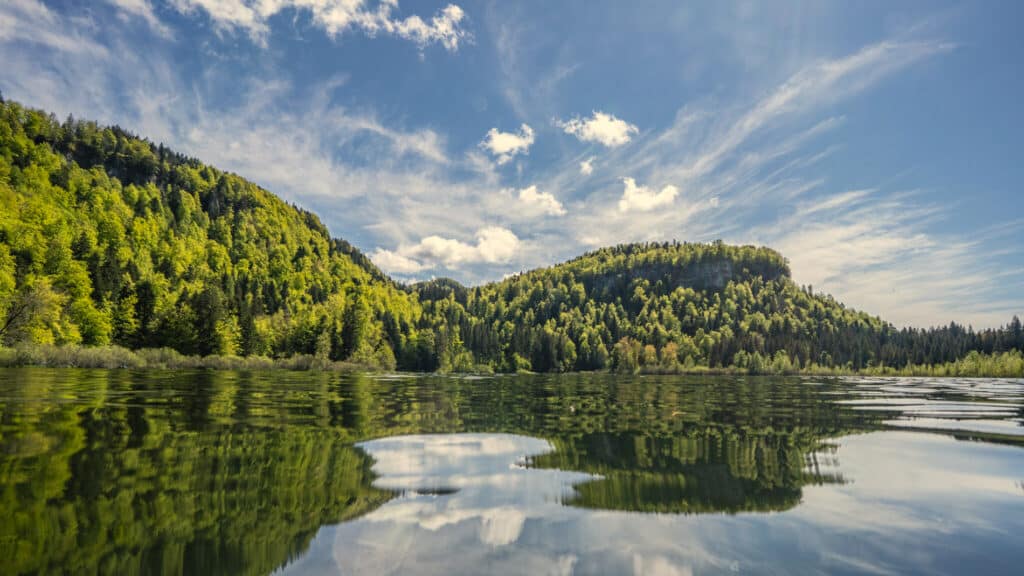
(218, 472)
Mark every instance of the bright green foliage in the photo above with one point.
(106, 238)
(974, 364)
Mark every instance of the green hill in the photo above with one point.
(669, 307)
(109, 239)
(662, 306)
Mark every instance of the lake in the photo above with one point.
(149, 472)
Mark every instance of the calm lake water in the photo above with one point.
(121, 472)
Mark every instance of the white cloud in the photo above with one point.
(443, 28)
(642, 199)
(540, 202)
(602, 128)
(144, 10)
(425, 143)
(587, 166)
(335, 17)
(30, 21)
(491, 492)
(493, 245)
(823, 82)
(876, 254)
(395, 263)
(506, 145)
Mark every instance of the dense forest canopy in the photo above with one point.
(671, 306)
(107, 238)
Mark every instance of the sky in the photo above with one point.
(875, 144)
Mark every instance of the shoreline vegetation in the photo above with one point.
(973, 365)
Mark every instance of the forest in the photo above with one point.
(111, 242)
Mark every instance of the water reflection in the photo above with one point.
(232, 473)
(108, 473)
(916, 503)
(700, 471)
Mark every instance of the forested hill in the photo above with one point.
(669, 307)
(106, 238)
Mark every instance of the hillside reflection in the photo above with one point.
(217, 472)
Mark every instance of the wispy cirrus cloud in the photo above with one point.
(877, 253)
(822, 83)
(32, 23)
(144, 10)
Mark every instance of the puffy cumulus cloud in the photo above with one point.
(643, 199)
(540, 202)
(494, 245)
(506, 145)
(334, 17)
(587, 166)
(395, 263)
(602, 128)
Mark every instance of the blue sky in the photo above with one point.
(875, 144)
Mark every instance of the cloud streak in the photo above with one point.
(144, 10)
(31, 22)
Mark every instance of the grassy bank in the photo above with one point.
(974, 365)
(159, 358)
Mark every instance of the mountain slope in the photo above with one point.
(107, 238)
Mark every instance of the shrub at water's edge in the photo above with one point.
(73, 356)
(1000, 365)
